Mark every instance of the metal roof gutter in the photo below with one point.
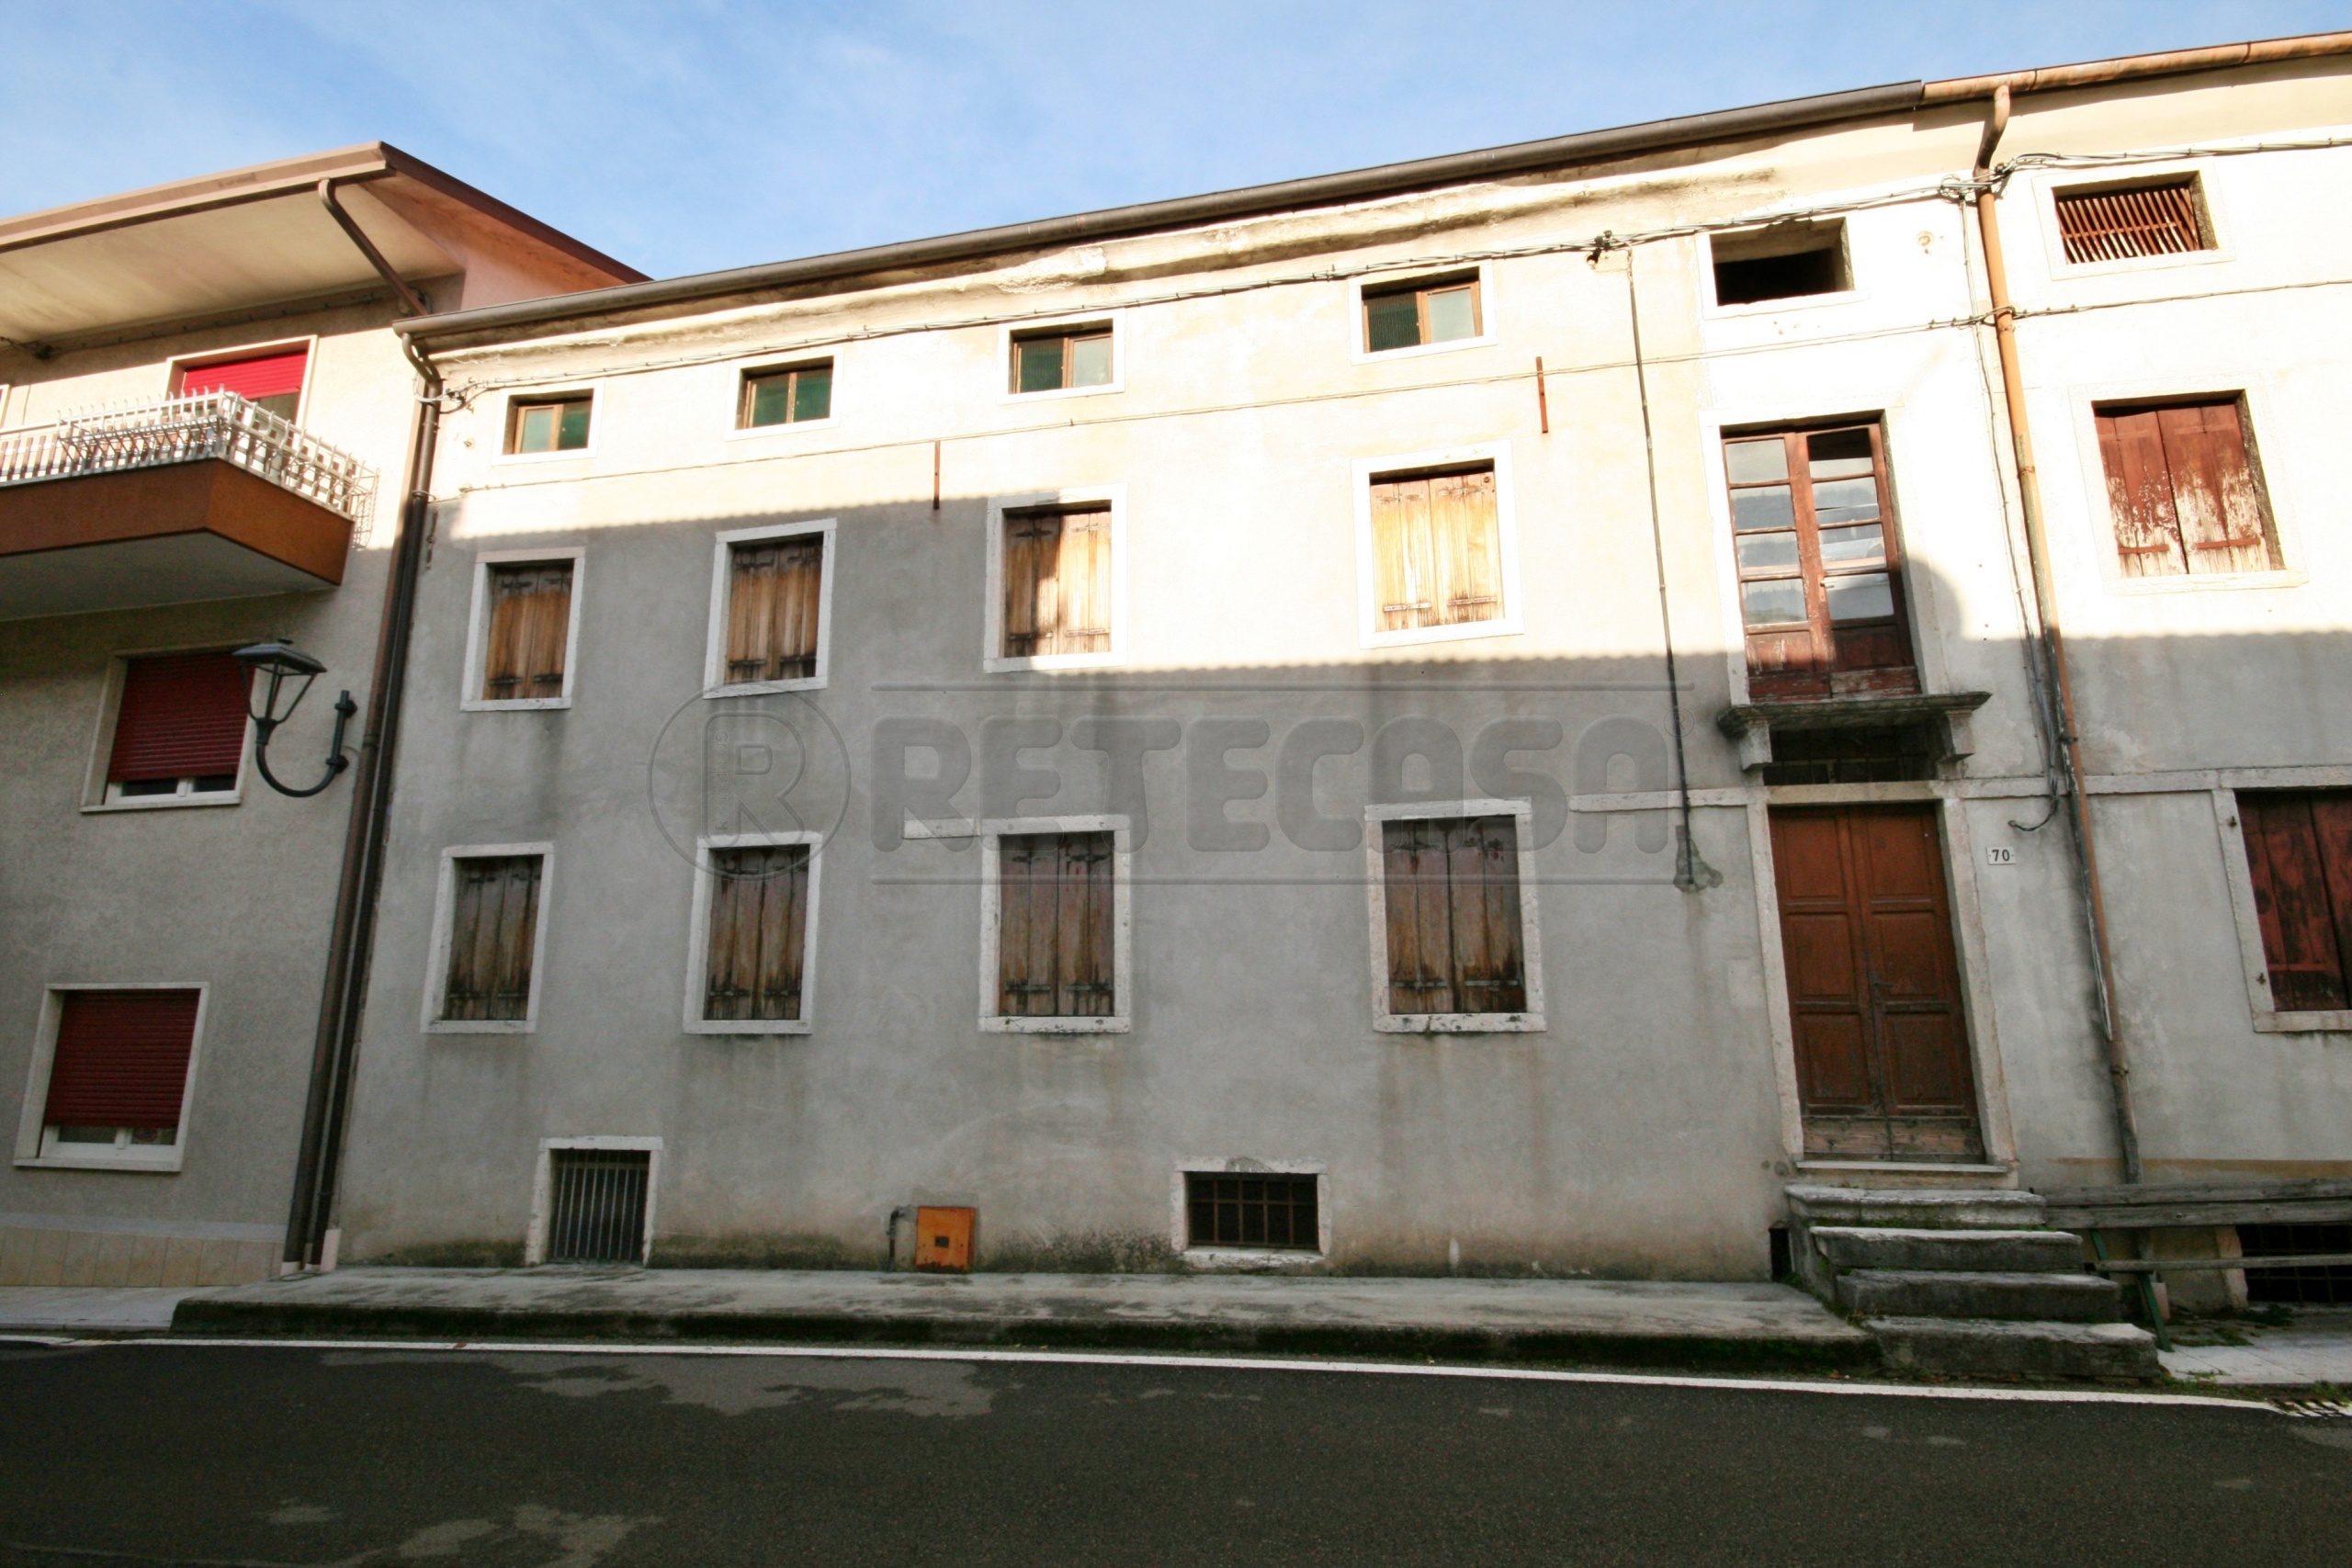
(1322, 190)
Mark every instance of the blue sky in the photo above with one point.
(693, 134)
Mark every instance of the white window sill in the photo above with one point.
(2067, 272)
(483, 1026)
(1052, 393)
(1460, 1024)
(2302, 1022)
(2209, 582)
(168, 802)
(163, 1162)
(1230, 1258)
(788, 427)
(569, 454)
(1421, 350)
(1920, 1167)
(1052, 661)
(1461, 631)
(998, 1024)
(512, 705)
(764, 688)
(1778, 307)
(754, 1027)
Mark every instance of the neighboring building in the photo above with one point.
(1155, 725)
(205, 422)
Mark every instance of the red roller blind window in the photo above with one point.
(263, 376)
(121, 1059)
(183, 716)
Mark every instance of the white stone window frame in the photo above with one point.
(2238, 872)
(99, 795)
(179, 364)
(535, 1238)
(992, 660)
(714, 660)
(2045, 185)
(1523, 813)
(1229, 1258)
(437, 968)
(1512, 621)
(37, 1150)
(553, 390)
(1115, 319)
(774, 364)
(1852, 294)
(698, 936)
(1360, 349)
(478, 629)
(992, 833)
(2260, 396)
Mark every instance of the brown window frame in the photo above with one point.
(516, 633)
(1057, 946)
(2152, 528)
(794, 376)
(518, 408)
(772, 882)
(1471, 559)
(1778, 665)
(788, 646)
(1033, 623)
(1068, 334)
(2169, 206)
(1452, 888)
(1420, 289)
(505, 961)
(1222, 1208)
(2299, 861)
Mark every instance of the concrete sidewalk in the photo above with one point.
(1609, 1322)
(89, 1309)
(2314, 1348)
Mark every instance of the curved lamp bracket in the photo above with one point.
(284, 665)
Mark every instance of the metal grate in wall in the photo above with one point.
(1252, 1211)
(2317, 1284)
(596, 1209)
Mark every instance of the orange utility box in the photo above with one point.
(944, 1239)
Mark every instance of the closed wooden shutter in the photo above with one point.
(1437, 547)
(495, 921)
(759, 933)
(121, 1059)
(2116, 225)
(182, 716)
(774, 592)
(1057, 581)
(263, 376)
(1455, 936)
(2298, 848)
(1055, 946)
(530, 623)
(2181, 488)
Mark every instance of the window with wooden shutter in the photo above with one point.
(2299, 849)
(2164, 218)
(272, 381)
(2185, 489)
(1424, 311)
(758, 939)
(548, 424)
(1820, 584)
(493, 927)
(180, 727)
(1056, 951)
(1062, 357)
(775, 597)
(118, 1070)
(527, 640)
(1437, 547)
(1452, 897)
(1057, 580)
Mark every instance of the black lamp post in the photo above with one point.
(281, 663)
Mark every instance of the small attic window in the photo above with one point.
(1785, 261)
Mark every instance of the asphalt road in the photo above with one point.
(149, 1454)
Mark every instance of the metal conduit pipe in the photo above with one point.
(2045, 600)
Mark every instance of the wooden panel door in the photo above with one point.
(1882, 1043)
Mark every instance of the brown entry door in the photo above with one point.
(1882, 1064)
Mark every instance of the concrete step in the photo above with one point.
(1927, 1208)
(1920, 1292)
(2110, 1352)
(2010, 1252)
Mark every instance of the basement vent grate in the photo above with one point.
(597, 1212)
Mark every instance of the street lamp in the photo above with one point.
(280, 662)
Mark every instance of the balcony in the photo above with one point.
(173, 501)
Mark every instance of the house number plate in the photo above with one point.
(2000, 854)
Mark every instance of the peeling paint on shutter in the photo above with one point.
(121, 1059)
(494, 924)
(530, 622)
(2116, 225)
(182, 716)
(2299, 850)
(2181, 488)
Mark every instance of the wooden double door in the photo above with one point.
(1882, 1038)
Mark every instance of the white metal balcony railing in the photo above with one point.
(186, 429)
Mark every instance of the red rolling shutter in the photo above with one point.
(121, 1059)
(265, 376)
(183, 716)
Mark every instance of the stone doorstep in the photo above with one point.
(1925, 1208)
(2013, 1252)
(1976, 1348)
(2028, 1297)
